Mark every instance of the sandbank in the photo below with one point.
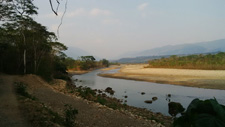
(210, 79)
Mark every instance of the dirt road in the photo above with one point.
(10, 115)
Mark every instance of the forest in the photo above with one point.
(205, 62)
(27, 47)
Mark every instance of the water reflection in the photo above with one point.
(133, 90)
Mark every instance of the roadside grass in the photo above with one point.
(21, 89)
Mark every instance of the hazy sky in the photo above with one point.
(108, 28)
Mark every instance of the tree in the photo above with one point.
(19, 12)
(26, 46)
(87, 62)
(105, 62)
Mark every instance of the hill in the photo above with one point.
(193, 48)
(141, 59)
(75, 52)
(180, 50)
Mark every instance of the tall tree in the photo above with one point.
(21, 13)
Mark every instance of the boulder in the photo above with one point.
(175, 108)
(154, 98)
(109, 90)
(148, 101)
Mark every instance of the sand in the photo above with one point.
(211, 79)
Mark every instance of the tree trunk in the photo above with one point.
(35, 62)
(24, 61)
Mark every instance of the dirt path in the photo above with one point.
(89, 114)
(9, 112)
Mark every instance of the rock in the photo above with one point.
(154, 98)
(169, 95)
(175, 108)
(142, 93)
(148, 101)
(153, 121)
(109, 90)
(159, 125)
(104, 95)
(99, 91)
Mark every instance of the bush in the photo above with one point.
(21, 89)
(101, 100)
(208, 113)
(70, 115)
(86, 92)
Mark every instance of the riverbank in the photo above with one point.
(71, 72)
(53, 98)
(111, 67)
(210, 79)
(80, 72)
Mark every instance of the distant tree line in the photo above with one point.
(85, 63)
(208, 62)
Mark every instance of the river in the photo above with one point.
(133, 89)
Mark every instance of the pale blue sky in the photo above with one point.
(108, 28)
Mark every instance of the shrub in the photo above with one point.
(101, 100)
(86, 92)
(70, 115)
(21, 89)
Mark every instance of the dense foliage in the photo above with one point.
(208, 113)
(25, 45)
(210, 61)
(85, 63)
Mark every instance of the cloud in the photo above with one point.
(142, 6)
(99, 12)
(80, 12)
(51, 15)
(111, 21)
(77, 12)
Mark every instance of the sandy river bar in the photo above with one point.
(211, 79)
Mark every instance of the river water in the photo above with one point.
(132, 89)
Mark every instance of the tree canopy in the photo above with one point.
(26, 46)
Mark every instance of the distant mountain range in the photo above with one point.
(75, 53)
(140, 59)
(166, 51)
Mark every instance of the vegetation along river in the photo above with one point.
(131, 91)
